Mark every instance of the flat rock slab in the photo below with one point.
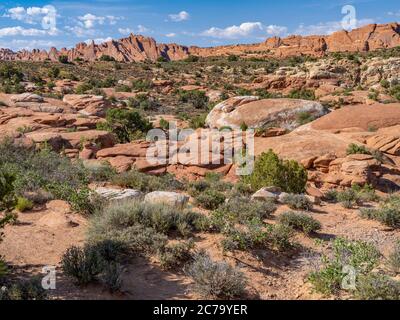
(118, 194)
(169, 198)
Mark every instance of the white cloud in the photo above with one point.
(31, 15)
(98, 40)
(125, 31)
(139, 29)
(246, 29)
(81, 31)
(20, 31)
(327, 27)
(19, 44)
(170, 35)
(89, 20)
(395, 14)
(178, 17)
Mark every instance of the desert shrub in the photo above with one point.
(387, 216)
(123, 88)
(365, 193)
(197, 98)
(395, 92)
(176, 255)
(105, 57)
(387, 213)
(357, 149)
(142, 85)
(24, 290)
(23, 204)
(215, 279)
(348, 198)
(362, 256)
(240, 210)
(198, 121)
(10, 74)
(111, 276)
(280, 236)
(125, 124)
(377, 287)
(192, 58)
(63, 59)
(269, 170)
(7, 198)
(114, 222)
(140, 181)
(100, 172)
(297, 202)
(83, 88)
(305, 117)
(300, 221)
(82, 264)
(394, 259)
(304, 94)
(210, 199)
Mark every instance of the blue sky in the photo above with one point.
(42, 24)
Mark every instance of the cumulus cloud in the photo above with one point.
(89, 20)
(98, 40)
(246, 29)
(170, 35)
(178, 17)
(32, 15)
(394, 14)
(80, 31)
(139, 29)
(327, 28)
(19, 44)
(20, 31)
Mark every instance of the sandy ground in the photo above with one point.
(42, 236)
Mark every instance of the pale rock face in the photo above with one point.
(118, 194)
(266, 194)
(258, 113)
(170, 198)
(89, 105)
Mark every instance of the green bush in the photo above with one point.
(23, 204)
(241, 210)
(82, 264)
(280, 236)
(215, 279)
(394, 259)
(357, 149)
(24, 290)
(362, 256)
(63, 59)
(297, 202)
(210, 199)
(388, 212)
(197, 98)
(111, 276)
(387, 216)
(348, 198)
(127, 125)
(198, 121)
(377, 287)
(146, 183)
(105, 57)
(395, 92)
(176, 255)
(142, 85)
(269, 170)
(300, 221)
(7, 198)
(304, 94)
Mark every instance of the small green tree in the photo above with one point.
(125, 124)
(270, 170)
(7, 197)
(63, 59)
